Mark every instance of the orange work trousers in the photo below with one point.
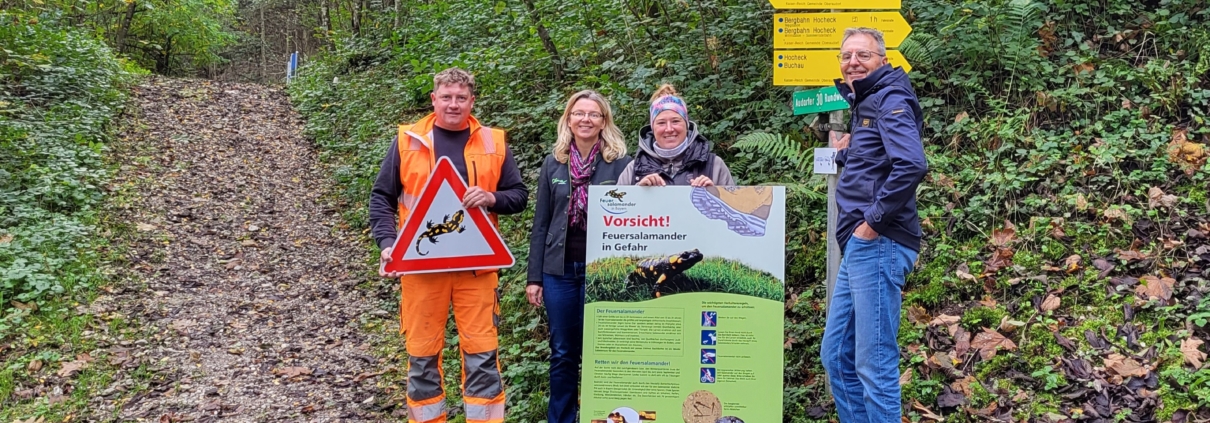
(423, 314)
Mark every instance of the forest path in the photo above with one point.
(243, 271)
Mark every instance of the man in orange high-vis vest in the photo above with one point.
(480, 154)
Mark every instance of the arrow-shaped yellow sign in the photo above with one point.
(837, 4)
(826, 30)
(817, 68)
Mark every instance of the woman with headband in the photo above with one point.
(672, 151)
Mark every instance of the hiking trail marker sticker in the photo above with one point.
(441, 236)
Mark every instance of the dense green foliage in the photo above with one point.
(166, 36)
(59, 90)
(1066, 142)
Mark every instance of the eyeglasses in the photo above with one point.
(862, 56)
(591, 115)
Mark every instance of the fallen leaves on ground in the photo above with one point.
(1152, 287)
(925, 412)
(70, 368)
(918, 315)
(962, 343)
(1190, 156)
(291, 372)
(1193, 355)
(1156, 198)
(1116, 214)
(258, 275)
(1130, 255)
(1051, 303)
(1104, 266)
(368, 375)
(1072, 263)
(1008, 325)
(949, 322)
(1005, 236)
(964, 273)
(1124, 366)
(988, 341)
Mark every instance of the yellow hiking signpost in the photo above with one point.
(826, 30)
(820, 35)
(837, 4)
(817, 68)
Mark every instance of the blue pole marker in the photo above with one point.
(292, 66)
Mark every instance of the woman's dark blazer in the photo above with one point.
(546, 241)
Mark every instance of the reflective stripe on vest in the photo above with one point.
(489, 140)
(408, 201)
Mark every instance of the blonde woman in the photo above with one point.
(672, 151)
(589, 150)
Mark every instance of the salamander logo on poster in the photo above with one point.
(684, 316)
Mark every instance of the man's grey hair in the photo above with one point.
(873, 33)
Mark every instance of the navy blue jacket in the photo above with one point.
(885, 160)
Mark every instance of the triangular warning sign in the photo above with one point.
(441, 236)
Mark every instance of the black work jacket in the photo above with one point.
(547, 241)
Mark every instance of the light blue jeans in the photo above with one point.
(860, 349)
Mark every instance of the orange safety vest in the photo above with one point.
(485, 152)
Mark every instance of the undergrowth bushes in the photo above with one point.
(59, 91)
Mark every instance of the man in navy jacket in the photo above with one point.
(878, 230)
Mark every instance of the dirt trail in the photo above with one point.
(249, 275)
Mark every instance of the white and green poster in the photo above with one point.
(684, 321)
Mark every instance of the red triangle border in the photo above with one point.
(500, 257)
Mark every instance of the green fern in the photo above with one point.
(1023, 19)
(922, 50)
(778, 146)
(809, 186)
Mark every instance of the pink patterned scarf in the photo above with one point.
(581, 172)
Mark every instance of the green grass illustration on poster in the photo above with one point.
(619, 279)
(683, 321)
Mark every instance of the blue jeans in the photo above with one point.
(860, 349)
(563, 297)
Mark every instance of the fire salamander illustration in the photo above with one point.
(449, 225)
(615, 194)
(655, 272)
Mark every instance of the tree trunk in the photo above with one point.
(163, 62)
(364, 10)
(325, 15)
(262, 43)
(124, 28)
(398, 11)
(355, 17)
(546, 42)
